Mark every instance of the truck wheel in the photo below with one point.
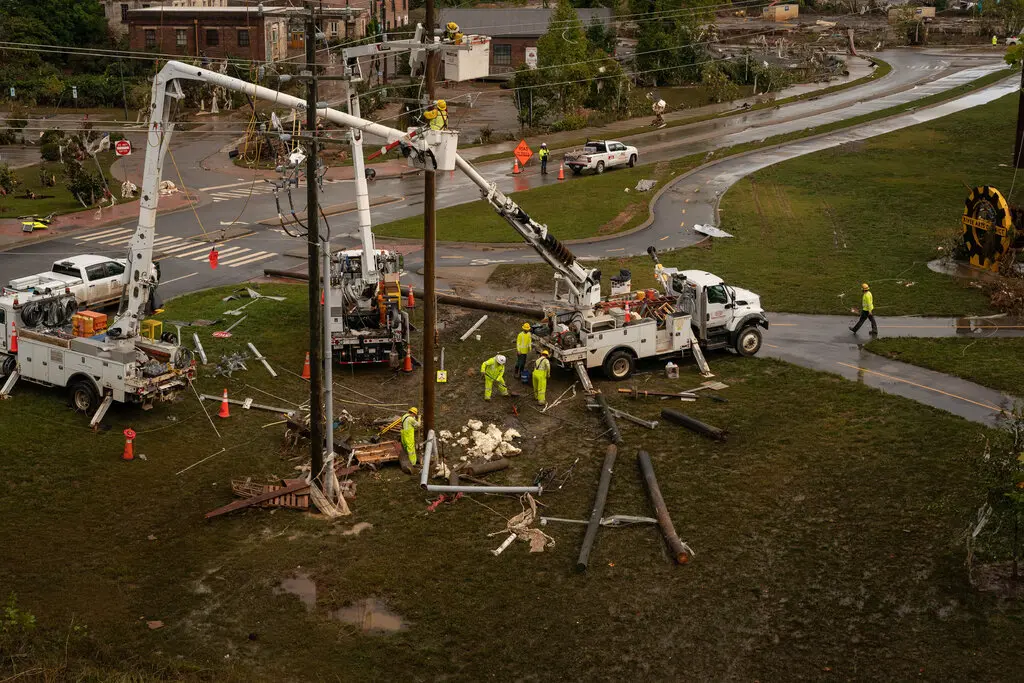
(83, 396)
(632, 160)
(576, 170)
(7, 366)
(748, 342)
(618, 365)
(600, 167)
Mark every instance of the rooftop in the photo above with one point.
(515, 22)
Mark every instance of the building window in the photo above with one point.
(212, 37)
(181, 37)
(124, 13)
(243, 37)
(150, 34)
(502, 54)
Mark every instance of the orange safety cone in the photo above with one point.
(13, 347)
(411, 300)
(129, 453)
(225, 411)
(561, 171)
(627, 313)
(515, 167)
(408, 359)
(305, 368)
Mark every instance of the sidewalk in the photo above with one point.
(858, 68)
(11, 235)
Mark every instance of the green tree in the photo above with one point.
(672, 48)
(67, 23)
(1011, 12)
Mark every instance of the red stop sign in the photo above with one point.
(122, 148)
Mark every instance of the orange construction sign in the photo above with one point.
(523, 152)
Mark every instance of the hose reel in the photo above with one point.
(989, 227)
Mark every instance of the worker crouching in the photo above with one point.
(493, 370)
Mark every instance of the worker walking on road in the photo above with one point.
(493, 370)
(409, 425)
(524, 342)
(544, 157)
(541, 372)
(867, 307)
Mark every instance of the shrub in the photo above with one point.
(7, 179)
(50, 151)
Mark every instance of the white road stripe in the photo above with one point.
(223, 252)
(105, 233)
(117, 240)
(202, 250)
(165, 240)
(254, 259)
(167, 282)
(179, 247)
(241, 256)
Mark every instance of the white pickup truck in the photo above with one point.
(94, 280)
(598, 155)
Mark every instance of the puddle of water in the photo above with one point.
(300, 586)
(357, 529)
(371, 616)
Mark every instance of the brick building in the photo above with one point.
(514, 32)
(116, 11)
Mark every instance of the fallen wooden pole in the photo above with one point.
(640, 393)
(484, 467)
(609, 419)
(257, 499)
(595, 516)
(693, 424)
(679, 549)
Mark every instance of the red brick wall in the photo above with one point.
(227, 30)
(519, 46)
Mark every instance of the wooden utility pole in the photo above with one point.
(316, 389)
(1018, 153)
(429, 246)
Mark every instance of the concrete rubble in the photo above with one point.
(479, 442)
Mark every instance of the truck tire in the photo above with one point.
(576, 170)
(632, 160)
(600, 167)
(83, 397)
(619, 365)
(748, 341)
(7, 366)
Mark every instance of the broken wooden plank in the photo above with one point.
(297, 485)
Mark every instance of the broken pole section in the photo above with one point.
(615, 436)
(595, 515)
(693, 424)
(679, 549)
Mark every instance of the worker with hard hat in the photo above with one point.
(541, 372)
(493, 370)
(524, 342)
(452, 32)
(410, 423)
(867, 308)
(437, 116)
(544, 157)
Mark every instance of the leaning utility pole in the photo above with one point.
(429, 245)
(316, 368)
(1018, 152)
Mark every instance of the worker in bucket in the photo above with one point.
(524, 342)
(541, 372)
(493, 371)
(437, 116)
(544, 153)
(410, 422)
(867, 308)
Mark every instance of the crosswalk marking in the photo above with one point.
(120, 239)
(169, 246)
(263, 256)
(105, 233)
(223, 252)
(185, 244)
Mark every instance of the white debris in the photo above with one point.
(710, 231)
(444, 435)
(464, 441)
(442, 471)
(510, 434)
(465, 429)
(482, 443)
(474, 425)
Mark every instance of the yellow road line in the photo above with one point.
(920, 386)
(683, 224)
(663, 238)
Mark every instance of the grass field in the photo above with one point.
(995, 363)
(51, 199)
(827, 536)
(810, 230)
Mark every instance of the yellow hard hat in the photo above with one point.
(452, 26)
(545, 352)
(430, 114)
(414, 411)
(865, 287)
(526, 327)
(442, 105)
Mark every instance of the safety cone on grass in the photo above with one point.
(411, 300)
(129, 453)
(225, 411)
(515, 167)
(561, 171)
(305, 367)
(408, 359)
(13, 347)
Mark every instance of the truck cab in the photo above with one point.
(722, 315)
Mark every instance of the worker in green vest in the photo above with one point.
(867, 308)
(524, 342)
(544, 157)
(493, 370)
(994, 41)
(541, 372)
(409, 425)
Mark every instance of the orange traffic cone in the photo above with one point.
(408, 359)
(13, 347)
(411, 301)
(561, 171)
(224, 410)
(515, 167)
(305, 368)
(129, 453)
(627, 313)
